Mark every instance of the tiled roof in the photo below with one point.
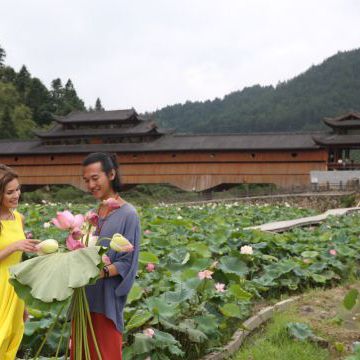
(349, 120)
(168, 143)
(143, 128)
(94, 116)
(336, 139)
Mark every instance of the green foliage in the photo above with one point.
(58, 194)
(2, 56)
(98, 105)
(7, 127)
(356, 352)
(30, 103)
(300, 331)
(275, 342)
(65, 99)
(183, 240)
(23, 122)
(68, 271)
(9, 97)
(348, 200)
(351, 299)
(38, 99)
(329, 89)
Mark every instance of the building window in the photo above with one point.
(294, 154)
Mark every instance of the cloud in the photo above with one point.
(148, 54)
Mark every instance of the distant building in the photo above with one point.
(343, 142)
(150, 155)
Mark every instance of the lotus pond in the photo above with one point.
(200, 272)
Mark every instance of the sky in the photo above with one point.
(147, 54)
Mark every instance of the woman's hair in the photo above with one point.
(108, 163)
(6, 175)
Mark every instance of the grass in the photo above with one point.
(272, 342)
(323, 312)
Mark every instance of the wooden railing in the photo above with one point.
(343, 166)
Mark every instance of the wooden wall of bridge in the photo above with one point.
(194, 171)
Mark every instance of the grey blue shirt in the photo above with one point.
(108, 296)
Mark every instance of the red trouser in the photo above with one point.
(109, 340)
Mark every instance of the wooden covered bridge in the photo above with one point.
(150, 155)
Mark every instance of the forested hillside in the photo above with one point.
(26, 103)
(299, 104)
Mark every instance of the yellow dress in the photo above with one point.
(11, 307)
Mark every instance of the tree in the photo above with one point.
(65, 99)
(38, 99)
(7, 74)
(22, 81)
(56, 88)
(9, 97)
(22, 120)
(71, 100)
(98, 105)
(56, 94)
(2, 56)
(7, 128)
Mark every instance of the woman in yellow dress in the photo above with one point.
(12, 244)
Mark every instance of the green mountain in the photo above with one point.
(299, 104)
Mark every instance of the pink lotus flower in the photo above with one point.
(76, 234)
(333, 252)
(150, 267)
(147, 232)
(220, 287)
(111, 203)
(149, 332)
(194, 228)
(106, 260)
(73, 244)
(66, 220)
(206, 274)
(92, 218)
(307, 261)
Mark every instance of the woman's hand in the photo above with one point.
(27, 245)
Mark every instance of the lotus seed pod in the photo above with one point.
(48, 246)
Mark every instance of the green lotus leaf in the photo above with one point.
(146, 257)
(135, 293)
(138, 319)
(300, 331)
(239, 293)
(230, 264)
(54, 277)
(231, 310)
(351, 298)
(309, 254)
